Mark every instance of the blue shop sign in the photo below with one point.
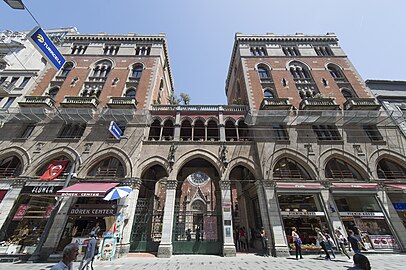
(399, 206)
(41, 41)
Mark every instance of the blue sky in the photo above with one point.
(201, 33)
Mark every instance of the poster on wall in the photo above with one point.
(119, 226)
(210, 227)
(21, 211)
(383, 241)
(108, 249)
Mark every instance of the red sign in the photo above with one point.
(299, 185)
(355, 185)
(21, 211)
(54, 169)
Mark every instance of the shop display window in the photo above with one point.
(357, 203)
(299, 203)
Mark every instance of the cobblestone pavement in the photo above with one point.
(241, 262)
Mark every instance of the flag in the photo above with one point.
(54, 169)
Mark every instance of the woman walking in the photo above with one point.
(342, 242)
(322, 240)
(298, 243)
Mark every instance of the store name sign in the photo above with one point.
(82, 194)
(92, 210)
(362, 214)
(300, 213)
(41, 189)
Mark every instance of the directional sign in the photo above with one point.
(45, 46)
(115, 130)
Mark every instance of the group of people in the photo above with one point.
(71, 251)
(327, 244)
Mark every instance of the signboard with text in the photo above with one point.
(43, 43)
(93, 210)
(115, 130)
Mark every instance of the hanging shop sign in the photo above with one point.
(301, 213)
(362, 214)
(41, 189)
(93, 210)
(399, 206)
(44, 45)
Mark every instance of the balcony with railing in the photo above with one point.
(6, 88)
(37, 101)
(122, 103)
(79, 102)
(369, 104)
(8, 172)
(207, 108)
(318, 104)
(275, 104)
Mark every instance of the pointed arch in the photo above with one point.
(230, 129)
(186, 129)
(155, 130)
(199, 129)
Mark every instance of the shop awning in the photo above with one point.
(299, 185)
(355, 185)
(87, 190)
(397, 187)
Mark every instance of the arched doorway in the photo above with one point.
(197, 219)
(147, 229)
(247, 218)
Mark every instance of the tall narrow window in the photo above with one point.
(143, 50)
(79, 49)
(27, 131)
(323, 51)
(130, 93)
(9, 102)
(263, 72)
(155, 130)
(303, 80)
(24, 82)
(373, 133)
(327, 132)
(111, 49)
(72, 131)
(280, 132)
(347, 94)
(291, 51)
(53, 92)
(66, 69)
(136, 72)
(258, 51)
(13, 82)
(102, 69)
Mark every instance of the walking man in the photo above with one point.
(91, 252)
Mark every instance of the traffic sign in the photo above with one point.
(44, 45)
(115, 130)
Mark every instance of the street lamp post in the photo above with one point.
(15, 4)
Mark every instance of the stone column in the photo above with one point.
(165, 247)
(57, 228)
(176, 132)
(227, 220)
(332, 212)
(221, 125)
(270, 211)
(129, 205)
(7, 204)
(393, 218)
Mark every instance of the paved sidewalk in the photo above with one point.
(241, 262)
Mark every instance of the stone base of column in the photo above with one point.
(229, 251)
(164, 251)
(123, 250)
(45, 253)
(282, 251)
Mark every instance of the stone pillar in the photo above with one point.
(7, 204)
(176, 132)
(221, 125)
(57, 228)
(165, 247)
(270, 213)
(129, 205)
(393, 219)
(332, 212)
(227, 220)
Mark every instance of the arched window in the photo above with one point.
(136, 72)
(303, 80)
(102, 69)
(388, 169)
(263, 72)
(109, 167)
(199, 131)
(66, 69)
(231, 131)
(287, 168)
(268, 94)
(53, 91)
(167, 132)
(10, 167)
(130, 93)
(243, 131)
(155, 130)
(212, 131)
(337, 168)
(186, 130)
(347, 94)
(335, 71)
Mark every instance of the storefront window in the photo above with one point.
(304, 212)
(363, 215)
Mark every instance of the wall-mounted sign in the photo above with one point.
(399, 206)
(93, 210)
(301, 213)
(41, 189)
(362, 214)
(41, 41)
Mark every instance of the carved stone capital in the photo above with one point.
(135, 183)
(225, 184)
(171, 184)
(268, 184)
